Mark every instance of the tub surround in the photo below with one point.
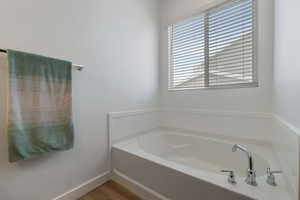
(257, 131)
(242, 125)
(126, 124)
(246, 125)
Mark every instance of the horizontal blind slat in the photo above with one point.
(224, 10)
(188, 22)
(224, 26)
(186, 45)
(233, 14)
(185, 56)
(233, 17)
(228, 47)
(233, 50)
(232, 36)
(216, 23)
(194, 27)
(187, 50)
(239, 68)
(187, 36)
(236, 30)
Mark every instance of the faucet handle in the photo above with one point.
(231, 177)
(274, 172)
(270, 176)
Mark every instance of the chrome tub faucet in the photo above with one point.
(251, 173)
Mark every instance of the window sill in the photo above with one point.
(234, 86)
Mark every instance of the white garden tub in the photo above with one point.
(185, 166)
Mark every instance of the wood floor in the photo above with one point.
(110, 191)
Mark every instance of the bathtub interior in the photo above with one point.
(209, 154)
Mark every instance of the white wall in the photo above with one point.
(286, 61)
(116, 41)
(286, 90)
(248, 100)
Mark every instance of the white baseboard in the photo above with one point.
(137, 188)
(85, 188)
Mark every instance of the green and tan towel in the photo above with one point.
(40, 106)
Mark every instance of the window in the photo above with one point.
(216, 49)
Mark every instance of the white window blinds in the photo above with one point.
(216, 49)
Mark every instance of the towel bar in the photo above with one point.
(75, 66)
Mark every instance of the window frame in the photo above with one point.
(205, 13)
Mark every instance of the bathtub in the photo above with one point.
(187, 166)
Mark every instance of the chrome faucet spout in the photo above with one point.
(251, 174)
(248, 153)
